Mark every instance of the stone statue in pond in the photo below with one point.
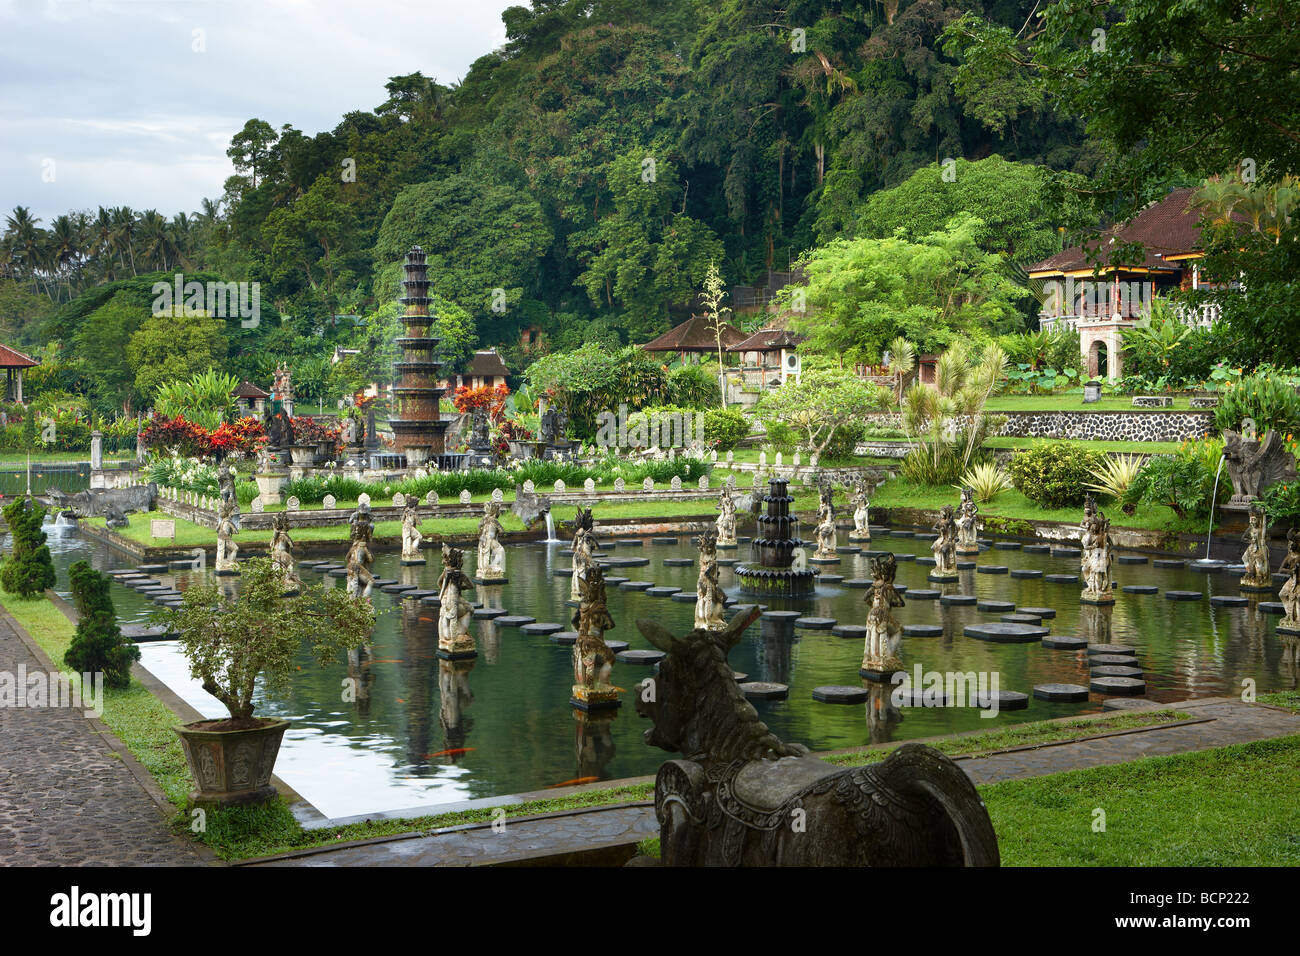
(884, 633)
(709, 596)
(411, 535)
(592, 658)
(1259, 575)
(491, 553)
(732, 799)
(359, 559)
(861, 515)
(825, 533)
(944, 547)
(968, 526)
(227, 527)
(1098, 553)
(1290, 593)
(726, 522)
(454, 612)
(584, 545)
(282, 550)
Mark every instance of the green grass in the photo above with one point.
(1231, 806)
(1073, 402)
(1289, 699)
(137, 717)
(1032, 734)
(11, 458)
(1140, 447)
(1012, 505)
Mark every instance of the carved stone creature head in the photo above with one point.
(281, 521)
(694, 699)
(452, 558)
(707, 543)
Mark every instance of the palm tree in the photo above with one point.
(65, 249)
(101, 242)
(124, 230)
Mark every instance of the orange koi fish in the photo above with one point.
(573, 783)
(453, 752)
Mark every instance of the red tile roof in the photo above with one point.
(1165, 228)
(694, 335)
(12, 358)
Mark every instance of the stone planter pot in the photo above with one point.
(304, 455)
(523, 450)
(324, 450)
(231, 767)
(268, 486)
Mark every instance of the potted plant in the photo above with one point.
(232, 640)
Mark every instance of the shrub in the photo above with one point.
(1056, 475)
(98, 645)
(1177, 481)
(1115, 475)
(1267, 398)
(695, 386)
(1281, 502)
(723, 428)
(986, 480)
(29, 570)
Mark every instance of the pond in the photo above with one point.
(427, 733)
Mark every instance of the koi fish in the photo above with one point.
(453, 752)
(573, 783)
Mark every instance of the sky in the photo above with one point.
(133, 102)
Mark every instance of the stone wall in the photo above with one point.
(1091, 426)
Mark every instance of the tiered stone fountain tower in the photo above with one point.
(417, 430)
(771, 571)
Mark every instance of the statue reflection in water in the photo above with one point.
(1095, 623)
(419, 630)
(1290, 665)
(595, 744)
(883, 715)
(456, 696)
(775, 650)
(362, 676)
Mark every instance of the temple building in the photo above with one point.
(693, 341)
(486, 368)
(13, 362)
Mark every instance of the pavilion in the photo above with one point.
(13, 362)
(694, 338)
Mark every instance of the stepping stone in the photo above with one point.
(1043, 612)
(1037, 548)
(764, 690)
(849, 630)
(151, 568)
(840, 694)
(514, 620)
(678, 562)
(1271, 607)
(1228, 600)
(901, 588)
(1131, 559)
(1008, 545)
(1013, 699)
(906, 557)
(902, 534)
(929, 562)
(1129, 703)
(1118, 685)
(1066, 552)
(542, 627)
(815, 623)
(661, 591)
(922, 630)
(848, 549)
(1169, 563)
(487, 613)
(1183, 595)
(957, 600)
(431, 602)
(382, 582)
(1141, 589)
(726, 562)
(566, 638)
(1026, 573)
(1062, 692)
(926, 536)
(743, 539)
(924, 594)
(397, 588)
(121, 572)
(781, 615)
(341, 573)
(612, 580)
(1115, 670)
(738, 676)
(919, 697)
(996, 607)
(1118, 660)
(965, 565)
(1021, 618)
(636, 585)
(640, 656)
(992, 569)
(859, 583)
(417, 594)
(617, 646)
(1001, 633)
(738, 609)
(1061, 578)
(143, 633)
(629, 542)
(1112, 649)
(1065, 643)
(830, 579)
(623, 563)
(685, 597)
(823, 560)
(664, 540)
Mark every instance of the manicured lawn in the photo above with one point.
(1014, 506)
(1074, 403)
(1140, 447)
(10, 459)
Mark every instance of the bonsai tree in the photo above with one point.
(29, 570)
(98, 645)
(229, 641)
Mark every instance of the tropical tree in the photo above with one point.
(821, 402)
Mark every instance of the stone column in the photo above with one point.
(97, 459)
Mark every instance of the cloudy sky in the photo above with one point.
(133, 102)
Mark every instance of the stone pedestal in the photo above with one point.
(269, 485)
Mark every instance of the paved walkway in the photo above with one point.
(1220, 721)
(67, 797)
